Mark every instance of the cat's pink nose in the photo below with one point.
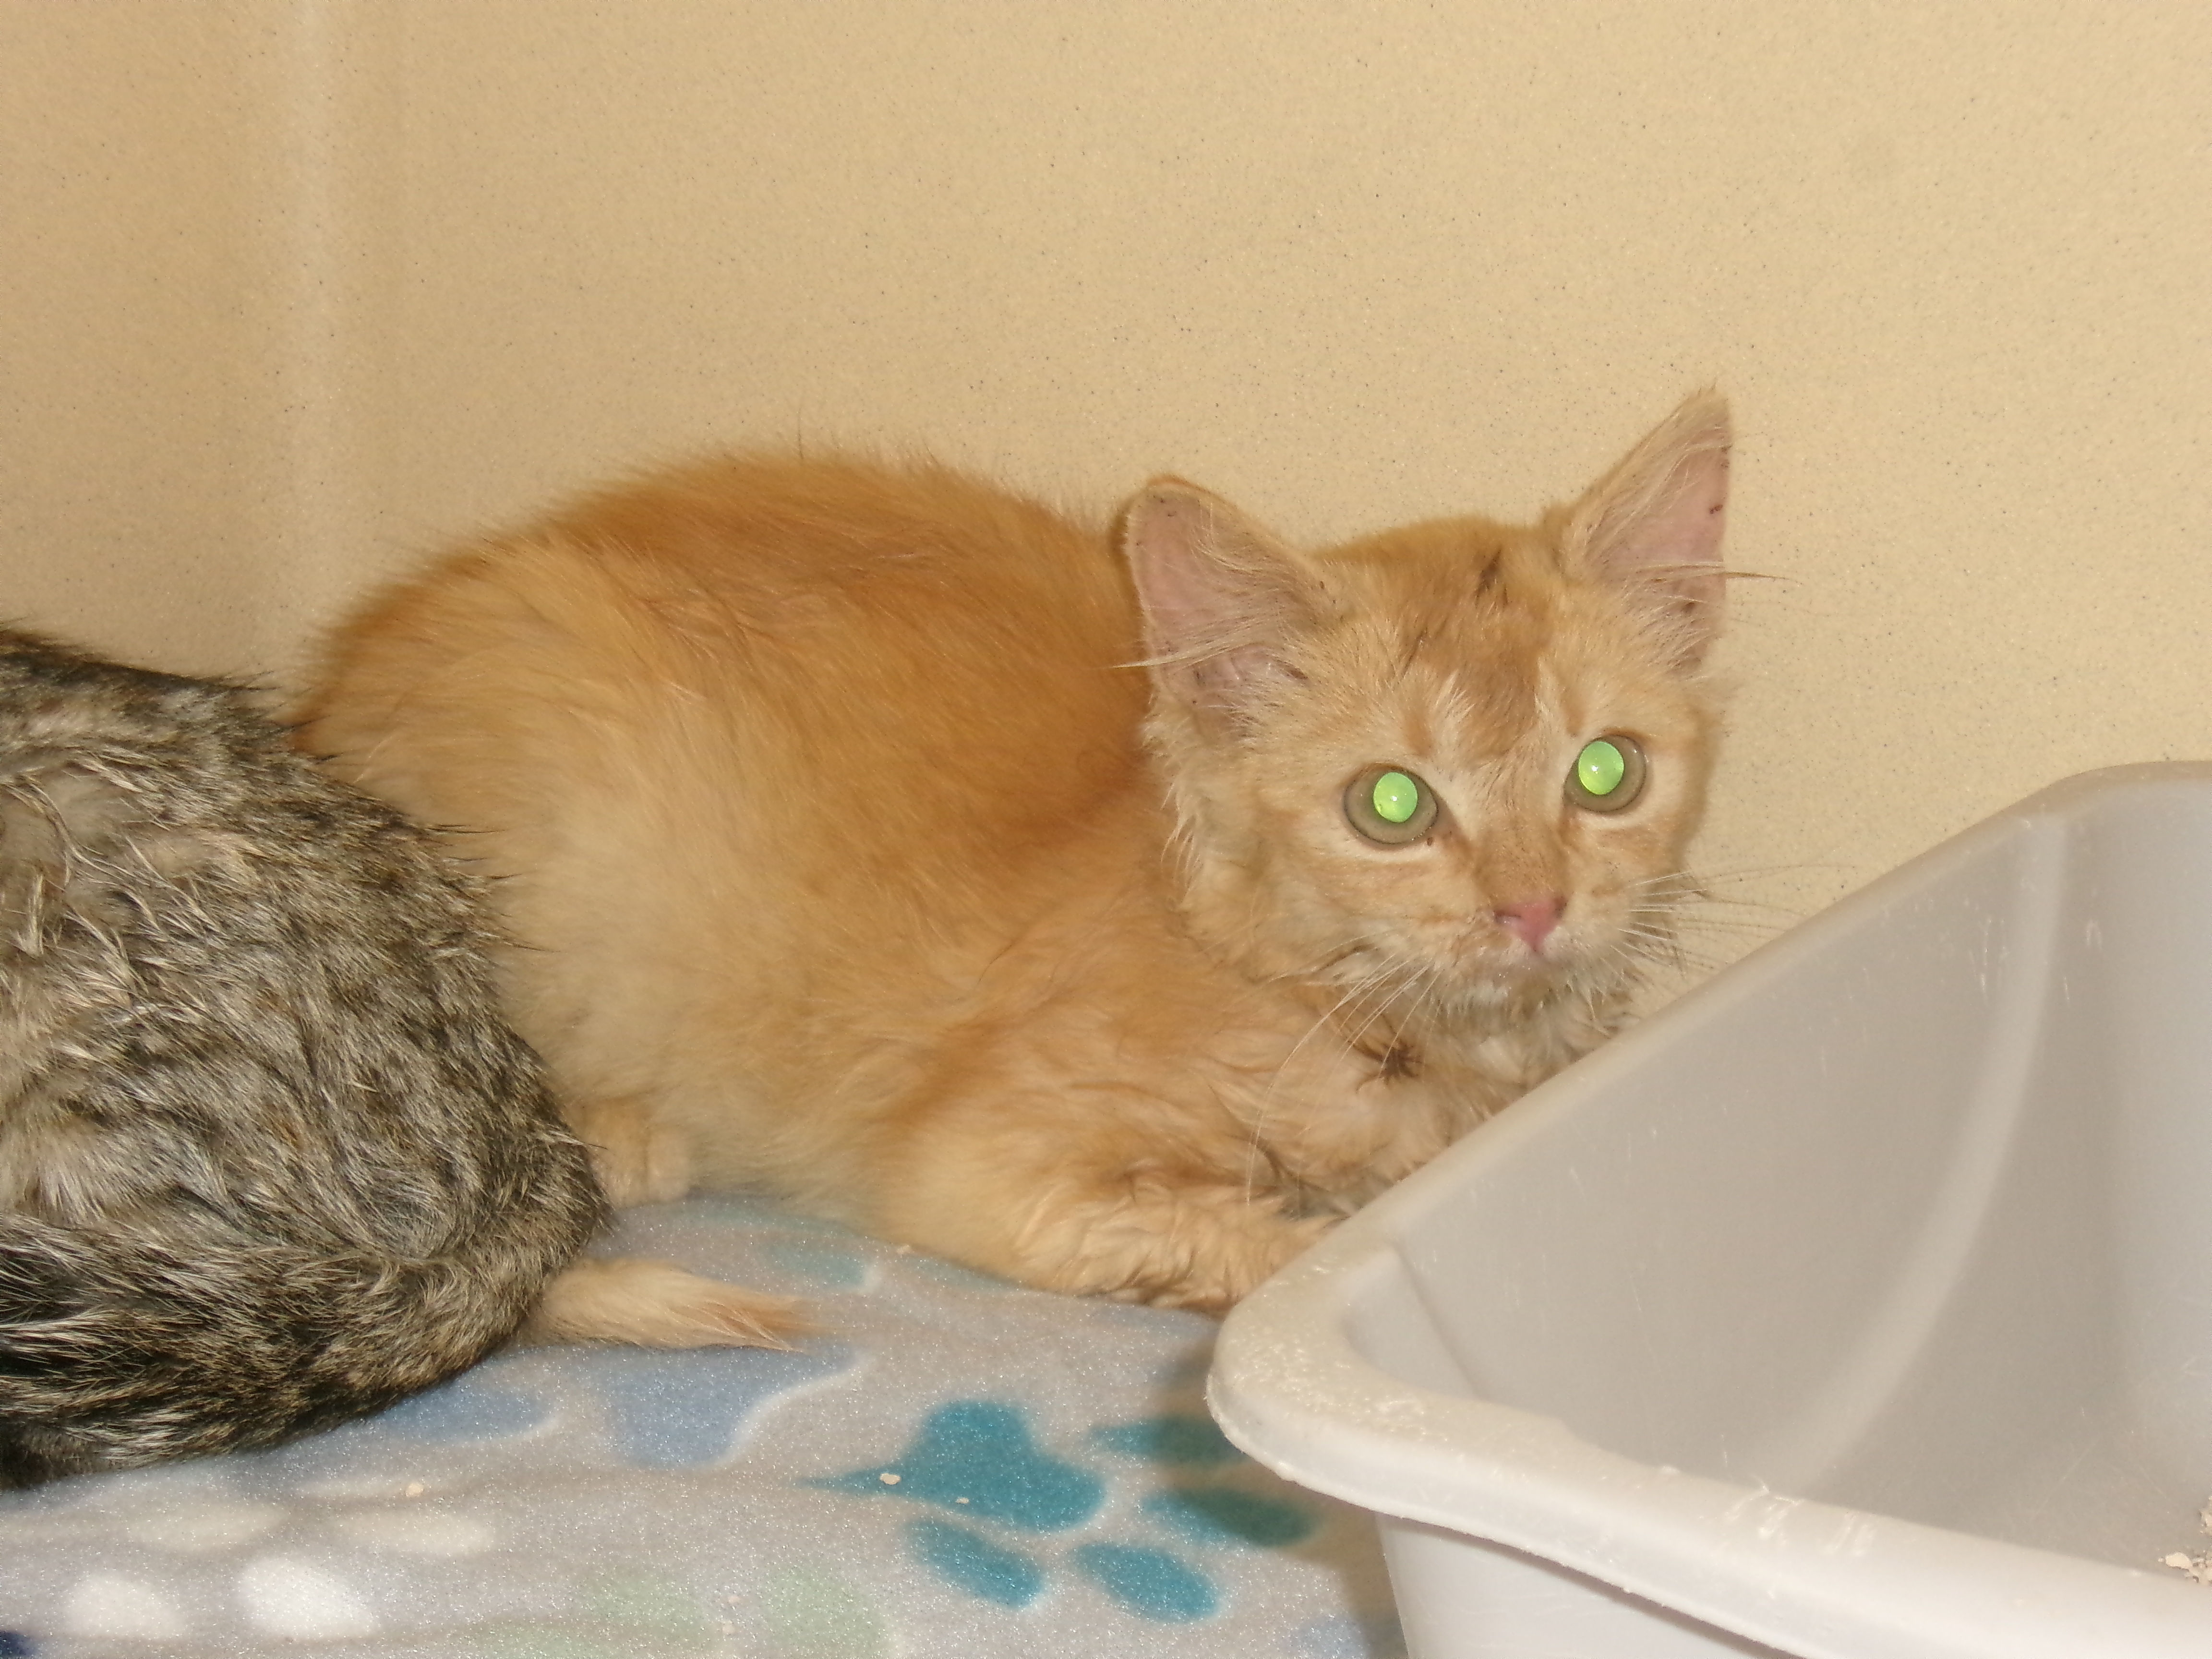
(1530, 921)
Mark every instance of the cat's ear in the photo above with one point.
(1221, 600)
(1653, 524)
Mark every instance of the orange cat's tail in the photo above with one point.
(655, 1304)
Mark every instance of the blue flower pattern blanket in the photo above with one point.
(954, 1467)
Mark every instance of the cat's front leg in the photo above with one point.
(1202, 1244)
(1173, 1238)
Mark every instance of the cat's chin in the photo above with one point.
(1505, 987)
(1516, 968)
(1482, 994)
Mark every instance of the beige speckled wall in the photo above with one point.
(296, 289)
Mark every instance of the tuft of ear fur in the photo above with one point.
(1653, 524)
(1221, 598)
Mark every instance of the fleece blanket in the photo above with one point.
(955, 1467)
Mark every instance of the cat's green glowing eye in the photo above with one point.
(1601, 768)
(1608, 775)
(1390, 807)
(1396, 797)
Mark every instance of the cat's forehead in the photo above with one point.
(1442, 575)
(1466, 638)
(1463, 589)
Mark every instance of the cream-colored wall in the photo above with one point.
(135, 147)
(297, 288)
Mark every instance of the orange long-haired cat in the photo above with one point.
(1107, 911)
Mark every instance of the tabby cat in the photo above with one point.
(270, 1157)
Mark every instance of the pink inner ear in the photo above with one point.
(1185, 610)
(1682, 532)
(1218, 594)
(1654, 525)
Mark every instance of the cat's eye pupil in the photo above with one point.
(1599, 769)
(1388, 807)
(1396, 798)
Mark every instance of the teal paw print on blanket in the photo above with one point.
(979, 1461)
(1175, 1440)
(1229, 1514)
(973, 1562)
(1151, 1583)
(1181, 1443)
(978, 1454)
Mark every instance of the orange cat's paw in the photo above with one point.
(1198, 1245)
(1242, 1260)
(638, 1161)
(656, 1305)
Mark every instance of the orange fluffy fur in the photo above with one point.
(850, 848)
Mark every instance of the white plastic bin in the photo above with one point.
(1858, 1306)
